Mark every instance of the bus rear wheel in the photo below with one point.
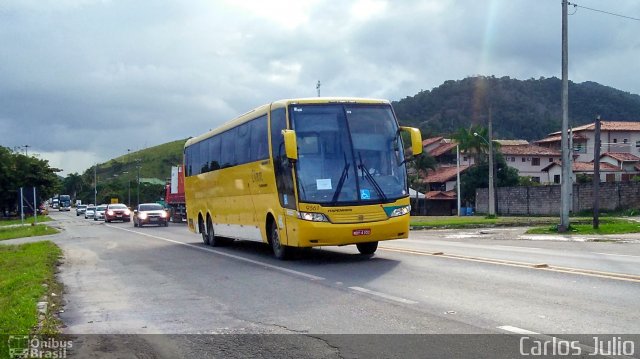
(367, 248)
(212, 240)
(205, 236)
(280, 251)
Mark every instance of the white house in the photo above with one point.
(615, 136)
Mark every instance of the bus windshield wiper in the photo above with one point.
(365, 173)
(343, 176)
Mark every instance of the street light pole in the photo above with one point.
(458, 176)
(138, 191)
(492, 202)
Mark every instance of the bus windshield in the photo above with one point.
(348, 154)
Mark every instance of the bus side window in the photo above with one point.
(259, 139)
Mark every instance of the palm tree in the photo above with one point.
(418, 168)
(474, 141)
(72, 184)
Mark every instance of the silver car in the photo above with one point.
(89, 212)
(99, 213)
(80, 209)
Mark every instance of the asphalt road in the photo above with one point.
(154, 280)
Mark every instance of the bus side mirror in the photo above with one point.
(416, 139)
(290, 144)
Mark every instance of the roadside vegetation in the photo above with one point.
(613, 222)
(607, 226)
(443, 222)
(27, 274)
(12, 232)
(28, 220)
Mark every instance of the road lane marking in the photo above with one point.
(551, 268)
(384, 295)
(517, 330)
(206, 249)
(617, 255)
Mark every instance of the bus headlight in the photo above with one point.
(400, 211)
(314, 217)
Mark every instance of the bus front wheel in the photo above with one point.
(367, 248)
(279, 250)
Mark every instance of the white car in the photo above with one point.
(99, 213)
(90, 212)
(80, 209)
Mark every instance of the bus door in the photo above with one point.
(283, 171)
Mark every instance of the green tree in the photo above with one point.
(18, 170)
(472, 144)
(72, 184)
(418, 167)
(478, 177)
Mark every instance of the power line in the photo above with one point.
(602, 11)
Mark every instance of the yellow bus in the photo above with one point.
(302, 173)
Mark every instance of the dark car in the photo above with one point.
(117, 212)
(150, 213)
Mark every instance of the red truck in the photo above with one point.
(174, 195)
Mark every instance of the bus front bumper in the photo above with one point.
(312, 234)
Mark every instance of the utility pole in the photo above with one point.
(492, 194)
(458, 176)
(138, 191)
(566, 185)
(318, 88)
(596, 176)
(26, 150)
(95, 184)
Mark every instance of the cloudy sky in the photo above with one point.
(84, 80)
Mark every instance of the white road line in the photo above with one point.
(383, 295)
(617, 255)
(517, 330)
(206, 249)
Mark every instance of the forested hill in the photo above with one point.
(521, 109)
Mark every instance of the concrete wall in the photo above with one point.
(545, 200)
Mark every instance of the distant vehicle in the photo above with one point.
(150, 213)
(174, 195)
(99, 212)
(90, 211)
(117, 212)
(305, 191)
(81, 209)
(64, 202)
(55, 203)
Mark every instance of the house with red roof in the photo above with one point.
(615, 136)
(528, 159)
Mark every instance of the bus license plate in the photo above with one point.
(361, 232)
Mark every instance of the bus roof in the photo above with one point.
(264, 109)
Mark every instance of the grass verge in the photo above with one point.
(27, 273)
(480, 221)
(28, 220)
(26, 231)
(607, 226)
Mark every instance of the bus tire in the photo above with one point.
(211, 235)
(280, 251)
(203, 231)
(367, 248)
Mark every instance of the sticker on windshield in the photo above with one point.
(324, 183)
(365, 194)
(286, 199)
